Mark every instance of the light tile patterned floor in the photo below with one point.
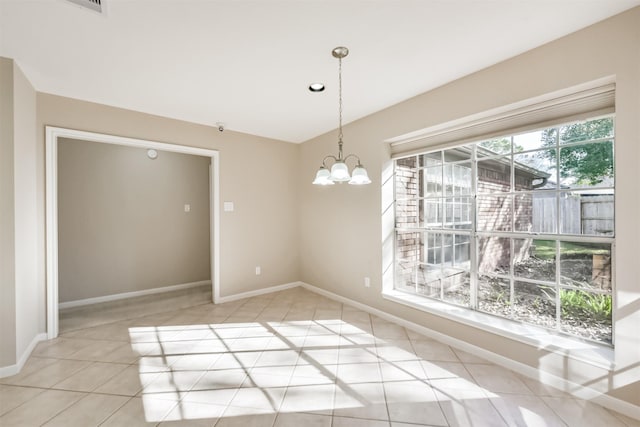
(292, 358)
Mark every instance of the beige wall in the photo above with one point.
(117, 207)
(19, 286)
(340, 229)
(7, 219)
(28, 283)
(257, 174)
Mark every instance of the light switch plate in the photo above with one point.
(228, 206)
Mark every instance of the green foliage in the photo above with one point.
(581, 305)
(546, 249)
(587, 164)
(499, 145)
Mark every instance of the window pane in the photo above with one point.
(535, 304)
(534, 259)
(494, 255)
(586, 314)
(523, 213)
(494, 296)
(536, 169)
(408, 245)
(406, 213)
(597, 214)
(407, 162)
(433, 248)
(587, 214)
(544, 212)
(534, 140)
(405, 275)
(586, 131)
(430, 213)
(458, 154)
(494, 146)
(494, 175)
(447, 250)
(428, 282)
(570, 222)
(406, 186)
(431, 181)
(406, 177)
(494, 213)
(408, 251)
(586, 265)
(456, 288)
(587, 165)
(449, 180)
(462, 175)
(462, 251)
(457, 213)
(430, 159)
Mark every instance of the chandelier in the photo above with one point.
(339, 171)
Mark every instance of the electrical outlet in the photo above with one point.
(187, 207)
(258, 271)
(367, 282)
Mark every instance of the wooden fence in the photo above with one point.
(580, 214)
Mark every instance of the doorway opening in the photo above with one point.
(53, 134)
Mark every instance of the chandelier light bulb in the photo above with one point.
(323, 177)
(359, 176)
(340, 172)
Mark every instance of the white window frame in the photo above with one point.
(475, 235)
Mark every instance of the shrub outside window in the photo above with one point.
(520, 227)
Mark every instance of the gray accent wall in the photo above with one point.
(122, 225)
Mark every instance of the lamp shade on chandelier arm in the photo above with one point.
(339, 170)
(359, 176)
(323, 177)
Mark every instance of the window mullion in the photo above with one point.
(558, 278)
(558, 231)
(473, 249)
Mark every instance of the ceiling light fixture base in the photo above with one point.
(340, 52)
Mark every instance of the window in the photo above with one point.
(520, 227)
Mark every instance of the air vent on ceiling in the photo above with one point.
(95, 5)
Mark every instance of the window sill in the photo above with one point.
(592, 353)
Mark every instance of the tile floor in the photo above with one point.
(291, 358)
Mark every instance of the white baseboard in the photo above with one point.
(115, 297)
(7, 371)
(257, 292)
(575, 389)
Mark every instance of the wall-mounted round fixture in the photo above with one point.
(316, 87)
(152, 154)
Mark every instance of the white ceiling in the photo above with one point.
(248, 63)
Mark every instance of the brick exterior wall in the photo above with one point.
(494, 214)
(408, 245)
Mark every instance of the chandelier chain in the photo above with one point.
(340, 100)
